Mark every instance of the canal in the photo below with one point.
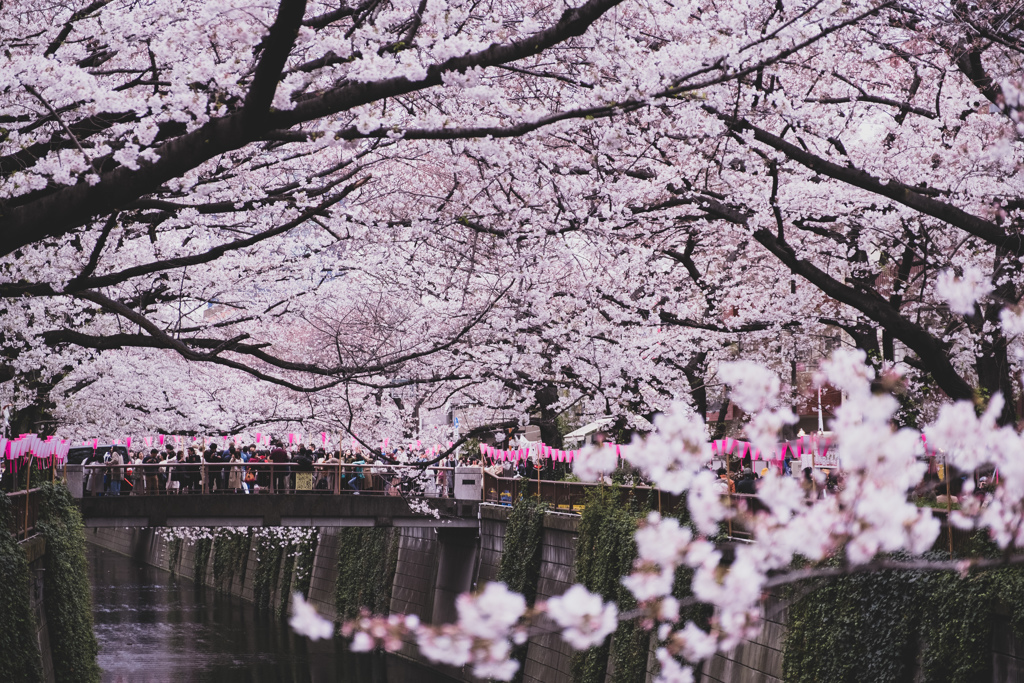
(153, 627)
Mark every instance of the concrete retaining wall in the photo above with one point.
(35, 550)
(549, 658)
(754, 661)
(434, 566)
(416, 574)
(145, 545)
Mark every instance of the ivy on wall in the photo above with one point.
(297, 566)
(879, 626)
(173, 554)
(520, 555)
(604, 553)
(304, 562)
(230, 556)
(287, 569)
(520, 559)
(19, 649)
(857, 628)
(68, 599)
(367, 558)
(269, 552)
(202, 550)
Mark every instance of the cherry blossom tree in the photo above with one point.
(620, 204)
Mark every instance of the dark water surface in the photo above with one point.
(152, 628)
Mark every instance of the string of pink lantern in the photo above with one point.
(20, 451)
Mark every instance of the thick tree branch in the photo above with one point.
(64, 209)
(908, 196)
(276, 48)
(930, 349)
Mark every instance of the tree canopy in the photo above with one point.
(606, 199)
(218, 214)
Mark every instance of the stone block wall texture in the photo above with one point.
(754, 661)
(35, 549)
(548, 658)
(325, 574)
(415, 575)
(493, 522)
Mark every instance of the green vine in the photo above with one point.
(173, 554)
(604, 553)
(19, 649)
(367, 558)
(856, 628)
(202, 559)
(230, 553)
(304, 562)
(520, 556)
(73, 645)
(268, 569)
(290, 550)
(878, 626)
(297, 567)
(520, 559)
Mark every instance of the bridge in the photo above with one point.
(383, 496)
(380, 502)
(279, 509)
(341, 508)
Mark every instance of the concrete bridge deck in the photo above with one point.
(271, 510)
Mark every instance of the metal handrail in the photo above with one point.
(570, 496)
(206, 477)
(25, 512)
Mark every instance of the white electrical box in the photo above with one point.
(469, 483)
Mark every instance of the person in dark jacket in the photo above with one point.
(747, 484)
(279, 456)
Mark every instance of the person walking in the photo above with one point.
(152, 480)
(116, 473)
(235, 475)
(279, 457)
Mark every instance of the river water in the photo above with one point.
(153, 628)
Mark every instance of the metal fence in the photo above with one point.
(570, 496)
(261, 477)
(25, 512)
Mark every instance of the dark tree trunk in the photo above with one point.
(547, 397)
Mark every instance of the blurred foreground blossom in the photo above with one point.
(593, 462)
(585, 618)
(306, 622)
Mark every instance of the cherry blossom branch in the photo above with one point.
(903, 194)
(61, 210)
(961, 566)
(276, 47)
(930, 349)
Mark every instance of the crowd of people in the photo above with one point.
(251, 469)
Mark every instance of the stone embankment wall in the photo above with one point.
(433, 567)
(35, 548)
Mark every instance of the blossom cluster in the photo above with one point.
(870, 515)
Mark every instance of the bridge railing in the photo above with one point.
(25, 512)
(569, 496)
(267, 477)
